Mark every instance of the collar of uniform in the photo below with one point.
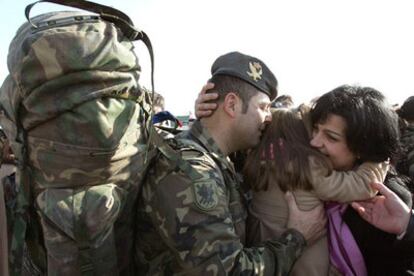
(205, 139)
(203, 136)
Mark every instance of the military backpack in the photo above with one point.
(79, 125)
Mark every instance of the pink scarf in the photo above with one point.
(344, 252)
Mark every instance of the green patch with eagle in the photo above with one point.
(206, 195)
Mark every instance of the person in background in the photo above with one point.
(159, 103)
(283, 101)
(406, 163)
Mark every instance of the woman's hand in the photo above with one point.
(386, 211)
(201, 107)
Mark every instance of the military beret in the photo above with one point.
(247, 68)
(407, 109)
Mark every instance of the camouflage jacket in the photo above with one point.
(197, 227)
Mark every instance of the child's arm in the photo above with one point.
(345, 186)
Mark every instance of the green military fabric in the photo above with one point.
(197, 227)
(4, 264)
(76, 119)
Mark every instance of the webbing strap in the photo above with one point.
(174, 156)
(107, 13)
(22, 205)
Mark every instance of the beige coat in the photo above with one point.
(268, 211)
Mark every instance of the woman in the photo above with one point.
(353, 125)
(369, 132)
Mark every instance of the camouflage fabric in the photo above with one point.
(3, 142)
(76, 120)
(4, 265)
(198, 227)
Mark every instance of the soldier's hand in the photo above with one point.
(201, 107)
(312, 224)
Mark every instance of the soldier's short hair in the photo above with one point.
(225, 84)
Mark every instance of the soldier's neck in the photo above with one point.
(219, 131)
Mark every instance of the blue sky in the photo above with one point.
(312, 46)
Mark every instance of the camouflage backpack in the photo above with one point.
(79, 125)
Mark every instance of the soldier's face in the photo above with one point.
(252, 123)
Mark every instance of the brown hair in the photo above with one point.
(283, 154)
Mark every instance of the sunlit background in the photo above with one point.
(312, 46)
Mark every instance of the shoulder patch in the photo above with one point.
(205, 195)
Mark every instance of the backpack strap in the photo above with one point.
(174, 156)
(120, 19)
(21, 214)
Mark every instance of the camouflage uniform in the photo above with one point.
(198, 227)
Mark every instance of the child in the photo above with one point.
(287, 162)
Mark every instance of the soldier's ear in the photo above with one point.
(231, 104)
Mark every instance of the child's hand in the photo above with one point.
(201, 107)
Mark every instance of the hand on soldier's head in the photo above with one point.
(201, 107)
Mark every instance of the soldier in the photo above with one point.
(193, 222)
